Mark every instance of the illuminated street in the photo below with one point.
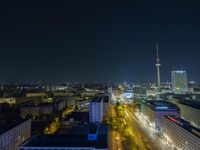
(114, 140)
(131, 122)
(153, 137)
(144, 136)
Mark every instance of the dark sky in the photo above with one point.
(98, 40)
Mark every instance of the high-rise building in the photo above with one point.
(179, 81)
(96, 110)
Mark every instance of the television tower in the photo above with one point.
(158, 68)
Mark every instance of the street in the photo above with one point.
(114, 139)
(147, 138)
(144, 136)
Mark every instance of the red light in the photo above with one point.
(172, 119)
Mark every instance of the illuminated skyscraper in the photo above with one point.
(179, 81)
(158, 68)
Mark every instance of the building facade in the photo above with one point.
(179, 81)
(139, 92)
(14, 134)
(180, 134)
(190, 111)
(59, 105)
(37, 110)
(96, 110)
(105, 105)
(155, 110)
(82, 104)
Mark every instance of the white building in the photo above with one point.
(180, 134)
(14, 133)
(96, 110)
(179, 81)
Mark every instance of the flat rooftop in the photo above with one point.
(190, 103)
(161, 105)
(97, 99)
(67, 141)
(6, 125)
(39, 105)
(78, 116)
(75, 137)
(83, 129)
(184, 124)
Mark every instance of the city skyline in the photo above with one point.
(97, 41)
(99, 75)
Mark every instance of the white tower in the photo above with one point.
(158, 68)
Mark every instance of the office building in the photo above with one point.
(139, 92)
(179, 81)
(96, 110)
(82, 137)
(36, 110)
(154, 110)
(105, 105)
(180, 134)
(13, 133)
(190, 111)
(42, 108)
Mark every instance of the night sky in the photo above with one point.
(93, 41)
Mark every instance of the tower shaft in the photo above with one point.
(158, 68)
(158, 76)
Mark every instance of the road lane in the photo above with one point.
(114, 139)
(153, 139)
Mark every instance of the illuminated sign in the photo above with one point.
(161, 107)
(128, 95)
